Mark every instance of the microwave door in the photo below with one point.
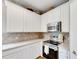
(52, 28)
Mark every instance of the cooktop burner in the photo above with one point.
(52, 42)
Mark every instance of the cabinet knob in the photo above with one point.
(74, 52)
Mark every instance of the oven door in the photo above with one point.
(52, 53)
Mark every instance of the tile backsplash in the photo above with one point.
(14, 37)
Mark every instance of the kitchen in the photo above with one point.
(32, 31)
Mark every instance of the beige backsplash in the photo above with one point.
(14, 37)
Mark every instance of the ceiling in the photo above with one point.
(39, 5)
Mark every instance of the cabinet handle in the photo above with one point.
(74, 52)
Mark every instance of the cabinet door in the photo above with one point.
(36, 22)
(24, 52)
(65, 17)
(50, 17)
(11, 56)
(63, 53)
(35, 50)
(44, 22)
(54, 15)
(14, 18)
(27, 21)
(31, 21)
(31, 51)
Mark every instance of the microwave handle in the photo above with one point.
(59, 28)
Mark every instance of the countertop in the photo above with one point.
(27, 42)
(65, 45)
(18, 44)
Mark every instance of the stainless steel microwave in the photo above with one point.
(54, 27)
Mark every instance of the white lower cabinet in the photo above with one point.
(11, 56)
(63, 53)
(36, 50)
(30, 51)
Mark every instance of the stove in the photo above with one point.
(52, 42)
(53, 49)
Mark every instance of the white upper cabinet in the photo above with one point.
(54, 15)
(60, 13)
(27, 21)
(22, 20)
(31, 22)
(49, 17)
(65, 15)
(14, 18)
(44, 22)
(36, 22)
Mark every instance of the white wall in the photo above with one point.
(73, 28)
(3, 17)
